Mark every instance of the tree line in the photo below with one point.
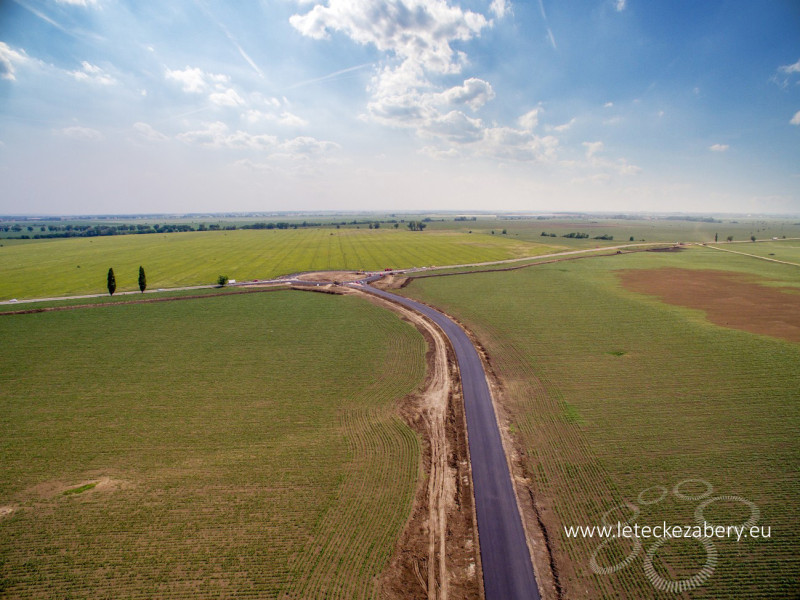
(69, 231)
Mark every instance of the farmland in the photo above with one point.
(788, 251)
(43, 268)
(613, 396)
(231, 446)
(249, 445)
(650, 229)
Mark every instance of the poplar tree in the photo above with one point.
(142, 279)
(112, 282)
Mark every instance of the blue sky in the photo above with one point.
(116, 106)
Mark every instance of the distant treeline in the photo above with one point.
(693, 219)
(68, 231)
(579, 236)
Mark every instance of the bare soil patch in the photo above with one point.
(341, 276)
(50, 489)
(733, 300)
(391, 282)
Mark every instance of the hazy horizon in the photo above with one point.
(619, 106)
(633, 215)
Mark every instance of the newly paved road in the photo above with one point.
(507, 570)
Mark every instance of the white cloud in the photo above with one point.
(218, 135)
(291, 120)
(507, 143)
(565, 126)
(608, 105)
(304, 148)
(529, 120)
(227, 98)
(417, 38)
(93, 74)
(8, 59)
(147, 132)
(619, 5)
(196, 81)
(455, 127)
(417, 30)
(474, 93)
(271, 110)
(789, 69)
(192, 80)
(719, 147)
(786, 73)
(592, 148)
(499, 8)
(84, 134)
(796, 118)
(284, 118)
(78, 2)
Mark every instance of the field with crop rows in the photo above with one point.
(242, 446)
(653, 229)
(44, 268)
(616, 397)
(786, 250)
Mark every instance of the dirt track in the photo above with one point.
(441, 533)
(505, 554)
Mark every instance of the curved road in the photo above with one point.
(507, 569)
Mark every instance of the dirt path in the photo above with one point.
(505, 554)
(444, 514)
(328, 276)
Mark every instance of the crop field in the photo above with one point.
(44, 268)
(243, 446)
(651, 229)
(786, 250)
(629, 408)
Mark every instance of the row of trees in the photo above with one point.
(578, 236)
(68, 231)
(112, 281)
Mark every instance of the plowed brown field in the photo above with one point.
(734, 300)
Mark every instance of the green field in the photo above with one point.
(653, 229)
(611, 394)
(786, 250)
(45, 268)
(242, 446)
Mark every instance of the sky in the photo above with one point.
(134, 106)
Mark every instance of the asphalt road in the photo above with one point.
(507, 570)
